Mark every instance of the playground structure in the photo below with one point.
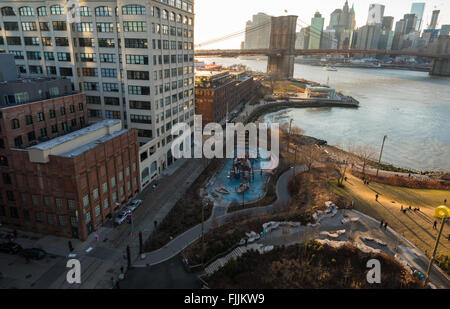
(241, 179)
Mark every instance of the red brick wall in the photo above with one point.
(70, 179)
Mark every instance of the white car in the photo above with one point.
(121, 216)
(132, 205)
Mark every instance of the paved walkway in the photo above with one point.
(182, 241)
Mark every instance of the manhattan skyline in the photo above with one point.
(210, 25)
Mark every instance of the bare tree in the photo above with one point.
(309, 154)
(365, 153)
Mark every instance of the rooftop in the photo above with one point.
(78, 142)
(76, 134)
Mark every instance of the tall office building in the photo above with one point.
(376, 13)
(133, 59)
(434, 19)
(418, 8)
(343, 22)
(411, 21)
(257, 32)
(387, 22)
(302, 40)
(316, 29)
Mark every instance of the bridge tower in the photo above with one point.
(282, 39)
(441, 66)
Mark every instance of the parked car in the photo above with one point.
(10, 247)
(134, 204)
(33, 253)
(121, 216)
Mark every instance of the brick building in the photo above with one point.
(57, 175)
(219, 92)
(70, 185)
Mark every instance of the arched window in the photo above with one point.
(133, 10)
(8, 11)
(15, 124)
(165, 14)
(26, 11)
(56, 10)
(102, 11)
(42, 11)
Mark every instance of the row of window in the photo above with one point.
(15, 123)
(89, 42)
(34, 41)
(102, 11)
(32, 26)
(49, 70)
(43, 132)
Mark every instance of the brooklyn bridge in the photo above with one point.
(281, 52)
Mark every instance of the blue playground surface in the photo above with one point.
(253, 194)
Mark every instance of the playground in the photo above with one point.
(241, 180)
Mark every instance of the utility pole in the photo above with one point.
(128, 257)
(140, 242)
(295, 159)
(435, 249)
(381, 153)
(289, 136)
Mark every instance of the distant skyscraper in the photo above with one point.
(257, 32)
(387, 22)
(411, 21)
(376, 12)
(418, 9)
(302, 41)
(343, 22)
(316, 31)
(445, 30)
(434, 19)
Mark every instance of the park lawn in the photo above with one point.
(417, 227)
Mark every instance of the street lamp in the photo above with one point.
(381, 152)
(442, 212)
(289, 136)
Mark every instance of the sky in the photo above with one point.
(218, 18)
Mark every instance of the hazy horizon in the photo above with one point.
(215, 19)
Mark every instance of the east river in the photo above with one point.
(411, 108)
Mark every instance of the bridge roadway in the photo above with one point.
(306, 52)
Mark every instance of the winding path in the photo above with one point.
(182, 241)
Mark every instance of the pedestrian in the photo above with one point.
(434, 224)
(409, 207)
(376, 197)
(381, 223)
(96, 237)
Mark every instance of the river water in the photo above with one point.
(411, 108)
